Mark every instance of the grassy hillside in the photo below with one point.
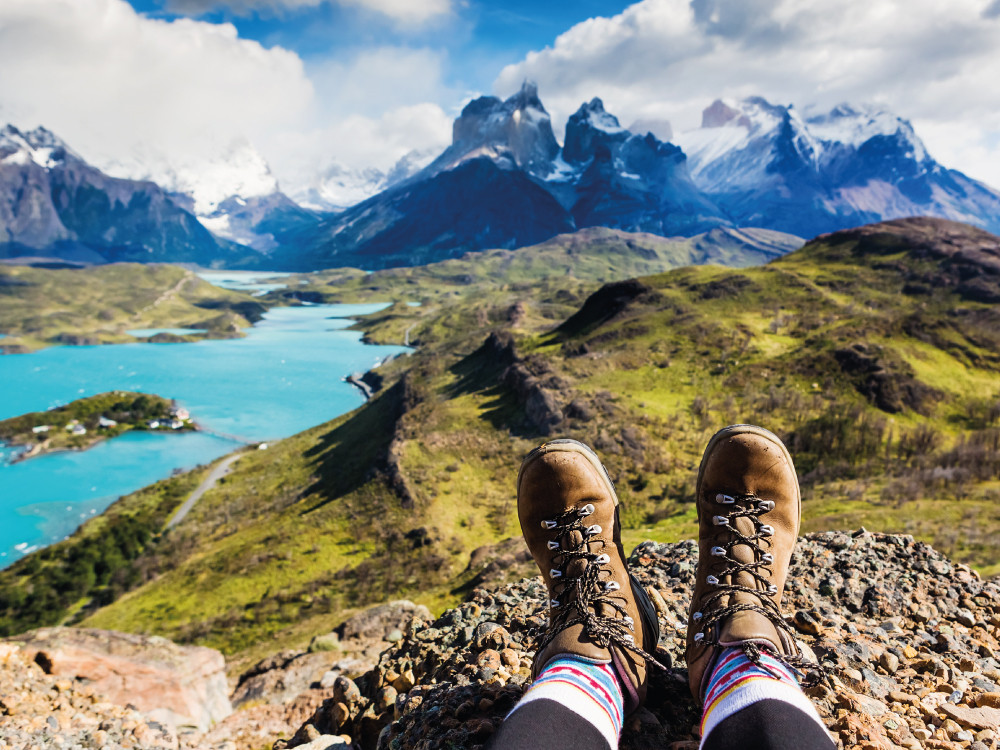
(874, 353)
(40, 307)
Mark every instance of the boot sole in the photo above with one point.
(750, 429)
(571, 446)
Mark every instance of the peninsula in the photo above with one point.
(86, 421)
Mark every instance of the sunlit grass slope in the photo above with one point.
(39, 307)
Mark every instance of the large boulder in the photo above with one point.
(183, 686)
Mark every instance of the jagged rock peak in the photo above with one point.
(40, 145)
(518, 128)
(718, 114)
(589, 125)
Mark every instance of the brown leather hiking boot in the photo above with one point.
(568, 510)
(748, 520)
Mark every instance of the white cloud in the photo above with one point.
(126, 91)
(934, 63)
(415, 12)
(110, 81)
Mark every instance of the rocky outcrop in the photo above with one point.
(179, 686)
(383, 622)
(909, 641)
(38, 710)
(603, 305)
(891, 386)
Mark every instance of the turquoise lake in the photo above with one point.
(284, 377)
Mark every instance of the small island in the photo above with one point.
(82, 423)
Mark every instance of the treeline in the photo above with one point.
(91, 568)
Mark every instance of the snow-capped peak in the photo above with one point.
(40, 146)
(853, 126)
(238, 170)
(594, 114)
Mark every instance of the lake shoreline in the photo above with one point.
(34, 452)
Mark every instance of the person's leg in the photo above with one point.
(759, 706)
(742, 658)
(573, 704)
(590, 668)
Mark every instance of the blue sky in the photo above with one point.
(478, 36)
(184, 90)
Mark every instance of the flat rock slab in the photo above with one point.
(181, 685)
(983, 717)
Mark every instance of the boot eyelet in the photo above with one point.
(594, 530)
(697, 616)
(553, 545)
(718, 551)
(586, 510)
(712, 581)
(766, 505)
(772, 589)
(720, 520)
(602, 559)
(767, 530)
(629, 621)
(699, 637)
(767, 557)
(725, 499)
(553, 603)
(555, 573)
(548, 524)
(629, 637)
(612, 586)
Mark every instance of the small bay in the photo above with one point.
(285, 376)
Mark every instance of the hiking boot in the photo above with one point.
(568, 510)
(748, 520)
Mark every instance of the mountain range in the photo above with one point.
(505, 182)
(52, 203)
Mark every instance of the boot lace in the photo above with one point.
(708, 617)
(590, 588)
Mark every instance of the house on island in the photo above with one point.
(105, 422)
(40, 428)
(175, 424)
(153, 424)
(78, 429)
(181, 413)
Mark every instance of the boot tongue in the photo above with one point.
(744, 554)
(750, 626)
(747, 625)
(574, 541)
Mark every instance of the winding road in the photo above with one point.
(209, 482)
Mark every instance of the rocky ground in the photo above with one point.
(909, 640)
(43, 712)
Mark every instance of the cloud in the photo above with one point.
(404, 11)
(136, 95)
(378, 79)
(935, 63)
(108, 80)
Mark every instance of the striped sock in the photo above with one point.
(736, 683)
(586, 688)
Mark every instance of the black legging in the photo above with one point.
(765, 725)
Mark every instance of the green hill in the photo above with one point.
(40, 307)
(873, 352)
